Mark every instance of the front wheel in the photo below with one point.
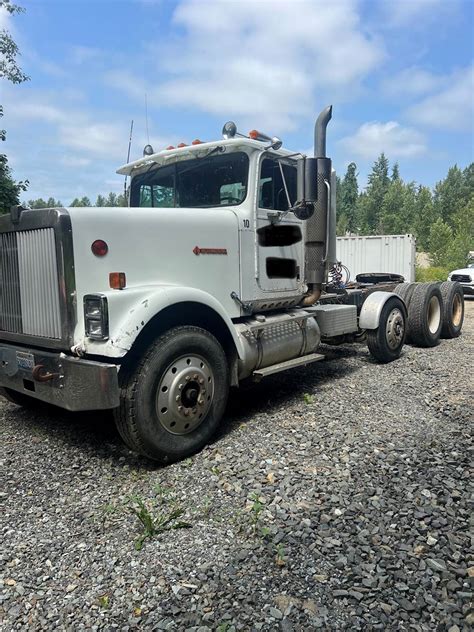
(173, 400)
(386, 342)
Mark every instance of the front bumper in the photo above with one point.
(67, 382)
(467, 289)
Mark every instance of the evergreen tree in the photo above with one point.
(395, 172)
(101, 201)
(40, 203)
(371, 205)
(441, 243)
(83, 201)
(347, 208)
(463, 234)
(425, 217)
(450, 195)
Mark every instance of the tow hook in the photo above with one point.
(41, 375)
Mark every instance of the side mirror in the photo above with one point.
(307, 187)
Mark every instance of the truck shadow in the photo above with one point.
(95, 433)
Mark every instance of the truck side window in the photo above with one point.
(271, 188)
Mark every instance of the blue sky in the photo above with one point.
(399, 74)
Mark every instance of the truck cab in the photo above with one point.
(215, 273)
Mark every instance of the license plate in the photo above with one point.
(25, 360)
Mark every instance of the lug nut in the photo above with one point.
(195, 376)
(188, 378)
(200, 401)
(186, 412)
(178, 397)
(201, 381)
(180, 408)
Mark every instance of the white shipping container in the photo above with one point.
(378, 253)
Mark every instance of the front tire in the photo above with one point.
(386, 342)
(173, 399)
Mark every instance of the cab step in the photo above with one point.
(259, 374)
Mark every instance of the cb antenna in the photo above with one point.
(128, 160)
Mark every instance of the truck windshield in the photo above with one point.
(219, 180)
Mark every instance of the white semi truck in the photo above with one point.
(222, 269)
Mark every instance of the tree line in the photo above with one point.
(112, 199)
(441, 219)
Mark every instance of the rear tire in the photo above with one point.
(425, 315)
(173, 399)
(386, 342)
(453, 309)
(405, 292)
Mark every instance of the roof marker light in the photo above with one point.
(182, 145)
(197, 142)
(170, 147)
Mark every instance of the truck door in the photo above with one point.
(280, 244)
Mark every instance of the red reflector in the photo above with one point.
(182, 145)
(117, 280)
(170, 147)
(197, 142)
(254, 134)
(99, 248)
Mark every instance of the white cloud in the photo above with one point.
(407, 12)
(451, 108)
(75, 130)
(263, 61)
(411, 82)
(393, 139)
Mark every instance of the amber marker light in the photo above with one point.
(117, 280)
(100, 248)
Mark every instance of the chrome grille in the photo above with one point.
(29, 297)
(463, 278)
(10, 308)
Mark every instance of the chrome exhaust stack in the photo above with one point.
(314, 188)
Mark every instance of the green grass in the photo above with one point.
(427, 275)
(154, 521)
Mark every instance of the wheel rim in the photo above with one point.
(434, 314)
(457, 310)
(395, 328)
(185, 394)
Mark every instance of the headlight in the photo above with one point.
(96, 317)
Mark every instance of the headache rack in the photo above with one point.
(37, 278)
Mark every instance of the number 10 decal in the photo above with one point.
(246, 223)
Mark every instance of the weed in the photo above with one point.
(256, 509)
(206, 507)
(308, 398)
(186, 463)
(223, 627)
(104, 601)
(215, 470)
(280, 554)
(153, 522)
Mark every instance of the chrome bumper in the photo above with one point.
(67, 382)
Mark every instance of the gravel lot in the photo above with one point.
(337, 497)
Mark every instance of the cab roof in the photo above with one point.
(166, 156)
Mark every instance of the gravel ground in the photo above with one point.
(336, 497)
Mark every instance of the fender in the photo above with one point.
(141, 305)
(372, 308)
